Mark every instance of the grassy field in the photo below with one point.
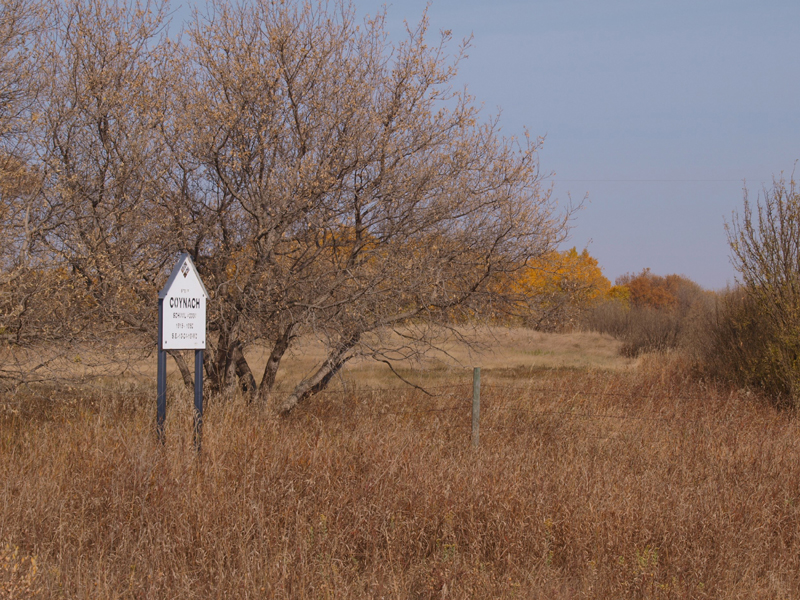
(596, 477)
(499, 351)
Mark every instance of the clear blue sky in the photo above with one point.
(658, 110)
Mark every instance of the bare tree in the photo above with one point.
(327, 181)
(20, 23)
(347, 189)
(92, 222)
(19, 20)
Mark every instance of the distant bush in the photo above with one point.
(649, 312)
(609, 316)
(650, 329)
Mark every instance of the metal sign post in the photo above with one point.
(198, 399)
(181, 326)
(161, 381)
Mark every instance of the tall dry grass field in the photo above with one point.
(586, 484)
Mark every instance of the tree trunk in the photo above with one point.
(247, 383)
(188, 380)
(309, 387)
(317, 382)
(220, 365)
(274, 363)
(212, 382)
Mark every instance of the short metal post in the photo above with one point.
(198, 399)
(161, 381)
(476, 405)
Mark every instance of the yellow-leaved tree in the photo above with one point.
(557, 287)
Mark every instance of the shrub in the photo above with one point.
(754, 337)
(609, 316)
(650, 329)
(650, 312)
(730, 343)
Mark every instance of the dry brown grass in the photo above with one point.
(594, 484)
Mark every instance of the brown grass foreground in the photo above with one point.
(586, 484)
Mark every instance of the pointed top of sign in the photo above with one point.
(184, 269)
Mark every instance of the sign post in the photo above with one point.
(181, 326)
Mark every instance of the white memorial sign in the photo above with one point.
(183, 308)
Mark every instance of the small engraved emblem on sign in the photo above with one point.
(185, 269)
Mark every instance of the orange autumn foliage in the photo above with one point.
(656, 291)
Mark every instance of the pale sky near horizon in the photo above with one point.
(658, 111)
